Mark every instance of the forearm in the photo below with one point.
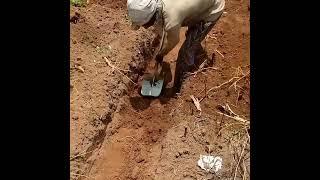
(170, 40)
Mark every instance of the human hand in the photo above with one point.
(153, 70)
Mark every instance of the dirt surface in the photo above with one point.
(117, 134)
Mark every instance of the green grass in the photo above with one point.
(78, 3)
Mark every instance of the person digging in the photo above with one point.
(167, 17)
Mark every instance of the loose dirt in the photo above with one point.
(117, 134)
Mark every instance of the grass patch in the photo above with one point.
(78, 3)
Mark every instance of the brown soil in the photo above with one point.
(117, 134)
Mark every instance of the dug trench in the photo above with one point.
(117, 134)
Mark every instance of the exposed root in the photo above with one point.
(226, 111)
(119, 70)
(201, 70)
(217, 87)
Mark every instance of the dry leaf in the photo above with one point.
(80, 68)
(196, 102)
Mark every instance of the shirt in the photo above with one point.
(180, 13)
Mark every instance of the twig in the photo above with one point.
(234, 84)
(235, 174)
(237, 118)
(113, 66)
(212, 37)
(237, 98)
(119, 70)
(227, 107)
(219, 53)
(244, 170)
(201, 91)
(203, 63)
(80, 68)
(219, 86)
(227, 111)
(196, 102)
(202, 69)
